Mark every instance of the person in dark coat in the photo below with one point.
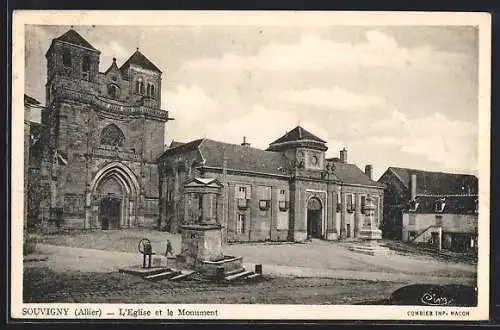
(169, 249)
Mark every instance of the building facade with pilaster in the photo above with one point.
(288, 192)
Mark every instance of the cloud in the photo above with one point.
(112, 50)
(189, 105)
(261, 126)
(334, 98)
(452, 143)
(314, 53)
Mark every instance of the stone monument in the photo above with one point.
(201, 233)
(370, 235)
(201, 241)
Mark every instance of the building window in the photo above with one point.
(86, 67)
(170, 195)
(113, 91)
(284, 205)
(66, 58)
(112, 136)
(240, 224)
(363, 203)
(413, 205)
(150, 90)
(476, 206)
(139, 86)
(264, 204)
(282, 192)
(349, 202)
(242, 192)
(439, 206)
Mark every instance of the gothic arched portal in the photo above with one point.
(114, 197)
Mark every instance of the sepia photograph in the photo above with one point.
(250, 159)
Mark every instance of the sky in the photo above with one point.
(403, 96)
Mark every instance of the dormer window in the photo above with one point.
(413, 205)
(113, 91)
(86, 67)
(440, 205)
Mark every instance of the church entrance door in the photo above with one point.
(314, 218)
(109, 212)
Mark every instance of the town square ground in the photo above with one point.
(84, 267)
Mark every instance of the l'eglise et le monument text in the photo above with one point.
(101, 163)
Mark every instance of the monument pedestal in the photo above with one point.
(370, 235)
(201, 242)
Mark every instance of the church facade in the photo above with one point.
(103, 133)
(288, 192)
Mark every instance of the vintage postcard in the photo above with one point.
(250, 165)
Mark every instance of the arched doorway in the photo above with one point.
(109, 212)
(114, 197)
(314, 218)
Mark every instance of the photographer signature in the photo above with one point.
(435, 297)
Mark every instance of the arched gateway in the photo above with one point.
(114, 197)
(314, 218)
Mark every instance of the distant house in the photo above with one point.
(433, 208)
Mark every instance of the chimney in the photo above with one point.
(343, 155)
(245, 143)
(413, 186)
(369, 171)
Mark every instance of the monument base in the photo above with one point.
(371, 247)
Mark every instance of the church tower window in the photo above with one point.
(151, 90)
(112, 135)
(139, 86)
(86, 67)
(66, 59)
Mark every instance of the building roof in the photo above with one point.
(139, 59)
(351, 174)
(112, 67)
(456, 204)
(28, 100)
(74, 38)
(298, 134)
(248, 159)
(175, 144)
(238, 157)
(437, 183)
(243, 158)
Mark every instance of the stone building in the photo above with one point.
(288, 192)
(32, 154)
(432, 208)
(103, 133)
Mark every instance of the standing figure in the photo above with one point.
(169, 249)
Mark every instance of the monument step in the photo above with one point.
(238, 275)
(234, 271)
(162, 276)
(143, 272)
(182, 275)
(253, 276)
